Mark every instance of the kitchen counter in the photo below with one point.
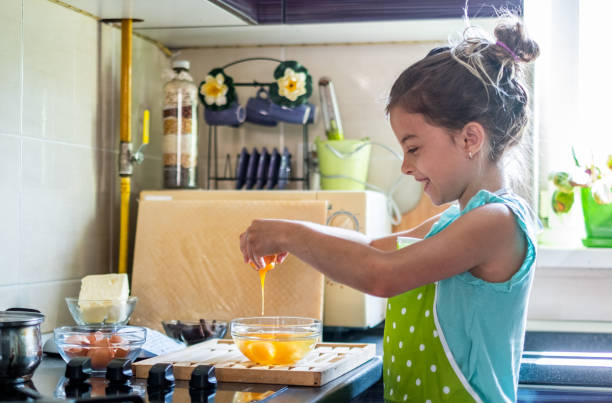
(582, 372)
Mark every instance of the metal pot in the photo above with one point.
(20, 344)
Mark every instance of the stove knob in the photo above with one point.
(203, 377)
(119, 370)
(161, 376)
(78, 369)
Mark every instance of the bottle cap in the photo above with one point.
(180, 64)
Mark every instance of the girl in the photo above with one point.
(457, 299)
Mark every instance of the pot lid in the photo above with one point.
(20, 318)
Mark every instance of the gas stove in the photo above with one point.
(52, 382)
(55, 381)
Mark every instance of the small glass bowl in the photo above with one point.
(100, 343)
(101, 311)
(194, 332)
(276, 340)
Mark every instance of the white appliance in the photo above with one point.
(364, 211)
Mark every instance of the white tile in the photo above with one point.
(10, 179)
(48, 298)
(10, 65)
(10, 297)
(60, 75)
(66, 211)
(149, 65)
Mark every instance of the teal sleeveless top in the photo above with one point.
(466, 345)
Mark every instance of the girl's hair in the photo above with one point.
(477, 79)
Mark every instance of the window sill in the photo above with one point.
(574, 258)
(569, 326)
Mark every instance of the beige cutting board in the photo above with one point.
(188, 265)
(326, 362)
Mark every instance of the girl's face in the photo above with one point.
(430, 155)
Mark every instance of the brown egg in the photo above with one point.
(116, 339)
(121, 352)
(100, 357)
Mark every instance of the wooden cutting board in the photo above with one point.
(326, 362)
(188, 265)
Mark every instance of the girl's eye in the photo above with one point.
(412, 150)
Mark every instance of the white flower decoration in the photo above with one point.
(292, 85)
(214, 90)
(602, 192)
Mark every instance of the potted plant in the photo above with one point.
(595, 185)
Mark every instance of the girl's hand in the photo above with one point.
(260, 239)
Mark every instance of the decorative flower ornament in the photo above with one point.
(217, 91)
(293, 84)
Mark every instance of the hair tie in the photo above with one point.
(507, 48)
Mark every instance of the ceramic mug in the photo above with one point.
(298, 115)
(258, 109)
(233, 116)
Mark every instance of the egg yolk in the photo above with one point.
(280, 349)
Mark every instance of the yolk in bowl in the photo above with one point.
(280, 349)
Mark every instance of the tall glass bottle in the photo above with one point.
(180, 145)
(330, 110)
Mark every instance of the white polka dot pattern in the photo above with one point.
(416, 366)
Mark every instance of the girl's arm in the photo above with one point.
(486, 241)
(389, 242)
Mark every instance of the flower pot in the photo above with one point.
(597, 221)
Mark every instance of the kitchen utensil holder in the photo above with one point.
(212, 169)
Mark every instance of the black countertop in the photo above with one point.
(555, 367)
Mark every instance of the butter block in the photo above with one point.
(103, 298)
(104, 286)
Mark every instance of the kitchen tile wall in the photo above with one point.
(59, 134)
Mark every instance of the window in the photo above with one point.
(572, 98)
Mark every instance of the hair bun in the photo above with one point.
(511, 31)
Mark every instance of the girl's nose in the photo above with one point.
(407, 168)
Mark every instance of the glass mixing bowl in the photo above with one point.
(276, 340)
(101, 311)
(100, 343)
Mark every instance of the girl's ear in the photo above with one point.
(473, 138)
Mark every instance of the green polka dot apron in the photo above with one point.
(417, 363)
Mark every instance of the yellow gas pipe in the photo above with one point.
(125, 170)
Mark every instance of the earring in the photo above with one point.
(470, 155)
